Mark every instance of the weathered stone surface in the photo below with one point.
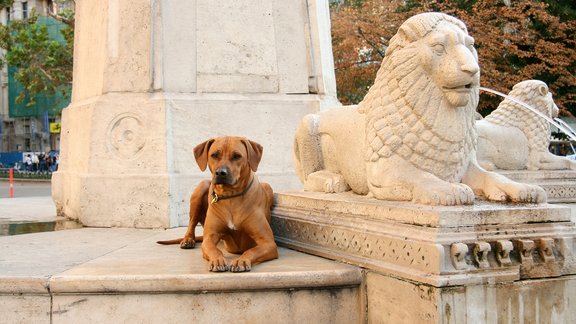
(439, 246)
(560, 185)
(530, 301)
(153, 79)
(123, 275)
(17, 308)
(413, 137)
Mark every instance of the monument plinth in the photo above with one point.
(154, 78)
(438, 257)
(441, 238)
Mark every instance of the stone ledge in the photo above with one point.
(480, 213)
(94, 274)
(441, 246)
(560, 185)
(135, 263)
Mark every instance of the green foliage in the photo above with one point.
(6, 3)
(43, 64)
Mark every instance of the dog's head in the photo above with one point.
(228, 158)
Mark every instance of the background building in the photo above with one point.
(24, 127)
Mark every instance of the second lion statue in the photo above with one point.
(413, 137)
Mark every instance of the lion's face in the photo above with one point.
(448, 56)
(553, 110)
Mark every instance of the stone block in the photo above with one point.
(19, 308)
(154, 79)
(437, 246)
(338, 305)
(394, 300)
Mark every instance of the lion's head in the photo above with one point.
(422, 104)
(511, 114)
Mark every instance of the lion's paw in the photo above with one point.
(447, 194)
(516, 192)
(326, 181)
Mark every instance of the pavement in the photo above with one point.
(30, 210)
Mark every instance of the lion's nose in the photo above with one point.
(470, 68)
(467, 61)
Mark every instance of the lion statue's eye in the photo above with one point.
(470, 42)
(438, 49)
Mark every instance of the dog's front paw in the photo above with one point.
(218, 265)
(240, 265)
(187, 243)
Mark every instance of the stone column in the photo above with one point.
(154, 78)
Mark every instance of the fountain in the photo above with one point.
(394, 186)
(514, 141)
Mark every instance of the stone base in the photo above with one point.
(438, 246)
(96, 275)
(127, 158)
(560, 185)
(393, 300)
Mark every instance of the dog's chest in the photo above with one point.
(231, 225)
(229, 218)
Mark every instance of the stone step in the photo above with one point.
(95, 275)
(560, 185)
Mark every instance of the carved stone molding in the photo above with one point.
(441, 255)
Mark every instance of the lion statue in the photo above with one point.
(514, 138)
(413, 137)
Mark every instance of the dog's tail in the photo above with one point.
(177, 241)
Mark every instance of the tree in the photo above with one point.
(43, 65)
(361, 31)
(516, 40)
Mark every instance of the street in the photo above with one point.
(25, 189)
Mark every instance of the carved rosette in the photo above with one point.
(126, 136)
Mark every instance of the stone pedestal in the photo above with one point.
(560, 185)
(154, 78)
(436, 260)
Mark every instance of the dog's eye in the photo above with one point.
(215, 155)
(236, 156)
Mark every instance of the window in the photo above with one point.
(50, 7)
(24, 10)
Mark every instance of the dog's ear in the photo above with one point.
(201, 153)
(254, 153)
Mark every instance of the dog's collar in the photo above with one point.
(216, 198)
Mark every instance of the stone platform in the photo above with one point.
(97, 275)
(487, 261)
(560, 185)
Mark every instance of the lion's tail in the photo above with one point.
(307, 154)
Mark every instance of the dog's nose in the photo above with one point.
(221, 172)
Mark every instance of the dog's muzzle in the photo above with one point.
(223, 175)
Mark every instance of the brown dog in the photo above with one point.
(233, 207)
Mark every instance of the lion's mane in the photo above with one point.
(512, 114)
(407, 114)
